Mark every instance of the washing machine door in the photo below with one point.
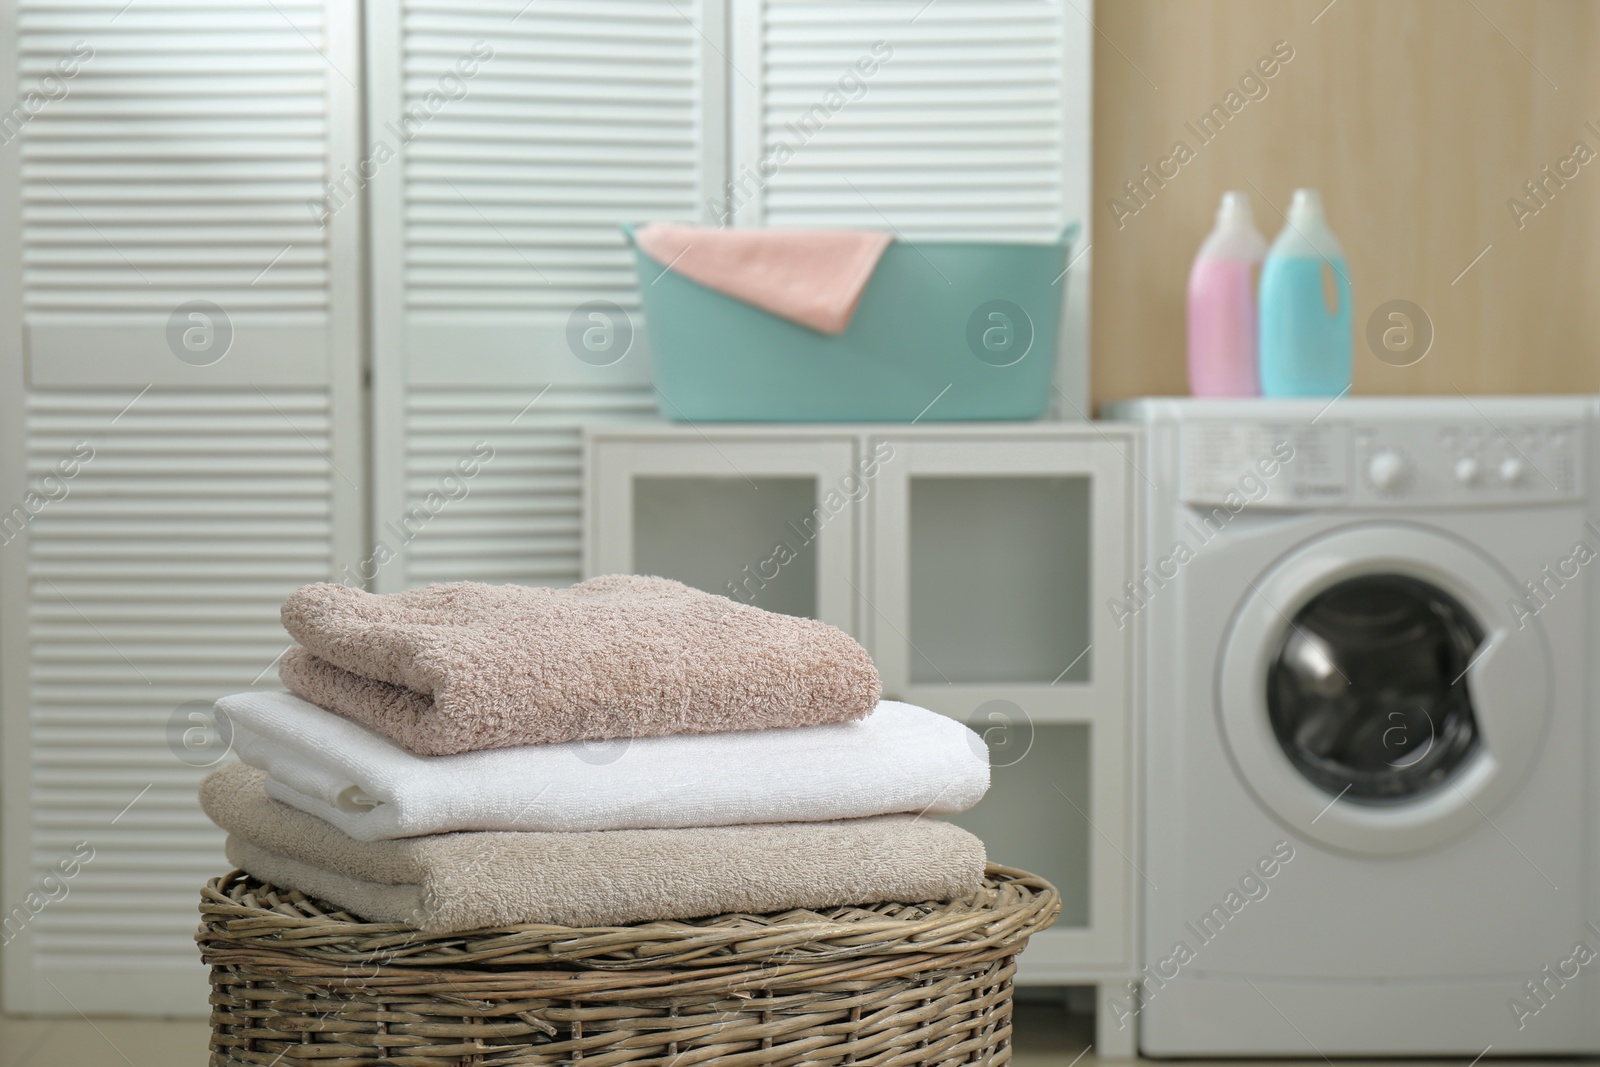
(1377, 692)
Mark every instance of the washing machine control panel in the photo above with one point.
(1397, 463)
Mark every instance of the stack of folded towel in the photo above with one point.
(625, 750)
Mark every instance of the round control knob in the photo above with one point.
(1467, 470)
(1385, 470)
(1511, 470)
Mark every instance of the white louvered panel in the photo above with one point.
(498, 221)
(186, 161)
(153, 582)
(587, 113)
(519, 521)
(957, 133)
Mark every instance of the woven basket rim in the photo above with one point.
(240, 912)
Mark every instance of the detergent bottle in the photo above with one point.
(1306, 322)
(1222, 304)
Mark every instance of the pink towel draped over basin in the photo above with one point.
(811, 277)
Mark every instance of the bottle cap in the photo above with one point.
(1235, 208)
(1306, 207)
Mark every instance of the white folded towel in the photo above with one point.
(900, 758)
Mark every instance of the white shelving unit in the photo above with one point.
(976, 563)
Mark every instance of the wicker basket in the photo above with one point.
(294, 984)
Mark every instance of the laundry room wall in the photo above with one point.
(1420, 121)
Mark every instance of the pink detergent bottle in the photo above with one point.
(1222, 304)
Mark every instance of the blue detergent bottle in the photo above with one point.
(1306, 329)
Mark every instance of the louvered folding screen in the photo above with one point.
(962, 119)
(520, 133)
(188, 464)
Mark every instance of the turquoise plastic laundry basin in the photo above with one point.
(971, 325)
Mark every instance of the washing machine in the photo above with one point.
(1368, 766)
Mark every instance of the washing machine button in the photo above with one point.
(1511, 469)
(1467, 470)
(1386, 470)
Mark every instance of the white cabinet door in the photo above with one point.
(180, 386)
(990, 556)
(988, 553)
(766, 517)
(508, 139)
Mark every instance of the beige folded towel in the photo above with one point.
(465, 666)
(467, 881)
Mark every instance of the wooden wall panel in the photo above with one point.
(1418, 119)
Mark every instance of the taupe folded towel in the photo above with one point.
(467, 881)
(464, 666)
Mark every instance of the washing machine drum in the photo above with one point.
(1373, 693)
(1362, 695)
